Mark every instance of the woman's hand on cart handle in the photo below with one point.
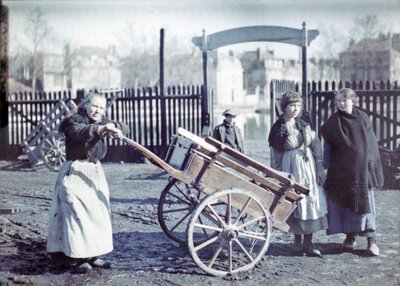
(110, 128)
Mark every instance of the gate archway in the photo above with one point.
(298, 37)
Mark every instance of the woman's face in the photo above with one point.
(96, 108)
(292, 110)
(344, 104)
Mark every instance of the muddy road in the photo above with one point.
(144, 255)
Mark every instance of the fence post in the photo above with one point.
(162, 94)
(272, 110)
(3, 82)
(272, 102)
(80, 95)
(304, 90)
(205, 113)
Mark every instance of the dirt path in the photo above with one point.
(143, 255)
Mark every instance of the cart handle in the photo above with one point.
(153, 158)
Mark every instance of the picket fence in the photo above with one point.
(152, 116)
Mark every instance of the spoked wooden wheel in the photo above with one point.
(242, 232)
(52, 151)
(175, 206)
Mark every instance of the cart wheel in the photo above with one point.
(52, 151)
(175, 206)
(243, 230)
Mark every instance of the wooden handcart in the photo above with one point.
(44, 143)
(221, 203)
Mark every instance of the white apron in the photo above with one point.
(79, 220)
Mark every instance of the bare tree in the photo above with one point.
(363, 30)
(366, 27)
(332, 43)
(37, 29)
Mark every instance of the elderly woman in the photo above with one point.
(79, 221)
(354, 167)
(297, 150)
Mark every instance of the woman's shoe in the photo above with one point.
(65, 261)
(83, 268)
(310, 249)
(99, 263)
(372, 247)
(349, 243)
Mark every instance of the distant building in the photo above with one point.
(93, 66)
(260, 67)
(372, 59)
(323, 69)
(52, 74)
(84, 68)
(143, 69)
(225, 76)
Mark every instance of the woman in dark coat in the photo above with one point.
(79, 221)
(354, 169)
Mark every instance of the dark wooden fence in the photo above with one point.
(152, 118)
(380, 100)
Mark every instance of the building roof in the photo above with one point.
(89, 50)
(16, 86)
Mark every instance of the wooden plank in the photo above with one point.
(270, 172)
(196, 139)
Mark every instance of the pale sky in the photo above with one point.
(103, 23)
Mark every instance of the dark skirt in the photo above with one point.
(342, 220)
